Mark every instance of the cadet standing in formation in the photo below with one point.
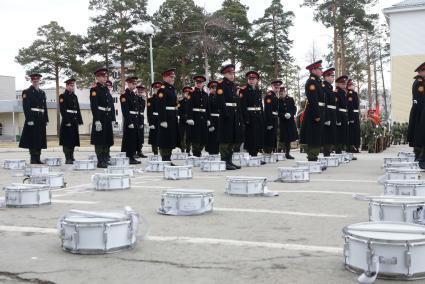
(152, 112)
(329, 126)
(341, 114)
(271, 119)
(287, 128)
(102, 107)
(212, 145)
(36, 119)
(353, 111)
(182, 106)
(69, 136)
(141, 94)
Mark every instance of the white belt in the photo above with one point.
(331, 107)
(356, 110)
(415, 101)
(253, 108)
(231, 104)
(104, 108)
(343, 110)
(321, 104)
(275, 113)
(154, 113)
(170, 108)
(215, 114)
(37, 109)
(71, 111)
(133, 112)
(199, 110)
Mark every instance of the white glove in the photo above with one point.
(68, 125)
(131, 126)
(212, 128)
(190, 122)
(328, 123)
(30, 123)
(351, 121)
(287, 115)
(98, 126)
(208, 123)
(269, 127)
(152, 127)
(115, 123)
(338, 124)
(164, 124)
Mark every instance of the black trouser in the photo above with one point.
(69, 152)
(102, 152)
(165, 154)
(155, 149)
(197, 149)
(226, 151)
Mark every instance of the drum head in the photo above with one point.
(188, 191)
(82, 219)
(405, 182)
(399, 200)
(387, 231)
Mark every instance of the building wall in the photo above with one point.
(7, 88)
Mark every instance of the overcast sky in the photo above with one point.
(19, 20)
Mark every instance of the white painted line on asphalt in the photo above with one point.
(207, 241)
(345, 180)
(64, 201)
(318, 192)
(71, 187)
(243, 210)
(151, 186)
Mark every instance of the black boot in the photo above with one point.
(133, 161)
(288, 156)
(72, 156)
(38, 160)
(229, 166)
(101, 162)
(33, 159)
(68, 159)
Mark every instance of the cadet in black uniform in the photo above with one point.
(167, 114)
(141, 94)
(213, 146)
(230, 125)
(103, 111)
(183, 102)
(311, 135)
(329, 128)
(252, 113)
(287, 128)
(36, 119)
(152, 112)
(198, 116)
(341, 114)
(353, 110)
(271, 119)
(130, 113)
(69, 136)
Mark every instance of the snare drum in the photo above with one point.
(154, 158)
(193, 161)
(54, 180)
(117, 170)
(239, 156)
(293, 174)
(348, 157)
(279, 156)
(36, 170)
(53, 162)
(403, 165)
(391, 160)
(14, 164)
(409, 155)
(120, 155)
(84, 165)
(27, 195)
(251, 162)
(402, 174)
(314, 167)
(269, 159)
(212, 158)
(120, 161)
(93, 157)
(213, 166)
(341, 158)
(157, 166)
(97, 232)
(404, 187)
(397, 209)
(178, 172)
(179, 156)
(329, 161)
(184, 202)
(105, 182)
(392, 250)
(246, 186)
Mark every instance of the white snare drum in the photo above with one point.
(279, 156)
(396, 160)
(212, 158)
(84, 232)
(392, 250)
(409, 155)
(314, 167)
(154, 158)
(405, 187)
(157, 166)
(120, 161)
(269, 159)
(117, 170)
(186, 202)
(293, 174)
(239, 156)
(53, 162)
(403, 165)
(178, 172)
(36, 170)
(120, 155)
(213, 166)
(251, 162)
(93, 157)
(14, 164)
(84, 165)
(246, 186)
(193, 161)
(179, 156)
(105, 182)
(27, 195)
(397, 209)
(54, 180)
(341, 158)
(402, 174)
(329, 161)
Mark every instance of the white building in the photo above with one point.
(407, 32)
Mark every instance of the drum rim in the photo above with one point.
(50, 174)
(295, 169)
(28, 189)
(405, 182)
(98, 251)
(387, 276)
(169, 195)
(111, 175)
(184, 167)
(29, 205)
(122, 220)
(408, 204)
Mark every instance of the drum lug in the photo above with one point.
(178, 202)
(404, 213)
(381, 212)
(370, 254)
(76, 237)
(38, 197)
(346, 249)
(369, 209)
(417, 214)
(408, 259)
(105, 236)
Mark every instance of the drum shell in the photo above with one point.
(117, 170)
(53, 162)
(396, 212)
(105, 182)
(36, 170)
(157, 166)
(314, 167)
(193, 161)
(238, 156)
(329, 161)
(27, 197)
(213, 166)
(179, 156)
(269, 159)
(340, 157)
(293, 175)
(409, 155)
(251, 162)
(279, 156)
(154, 158)
(404, 165)
(54, 180)
(404, 187)
(246, 186)
(402, 174)
(178, 172)
(211, 158)
(93, 157)
(14, 164)
(186, 203)
(391, 160)
(120, 161)
(348, 156)
(84, 165)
